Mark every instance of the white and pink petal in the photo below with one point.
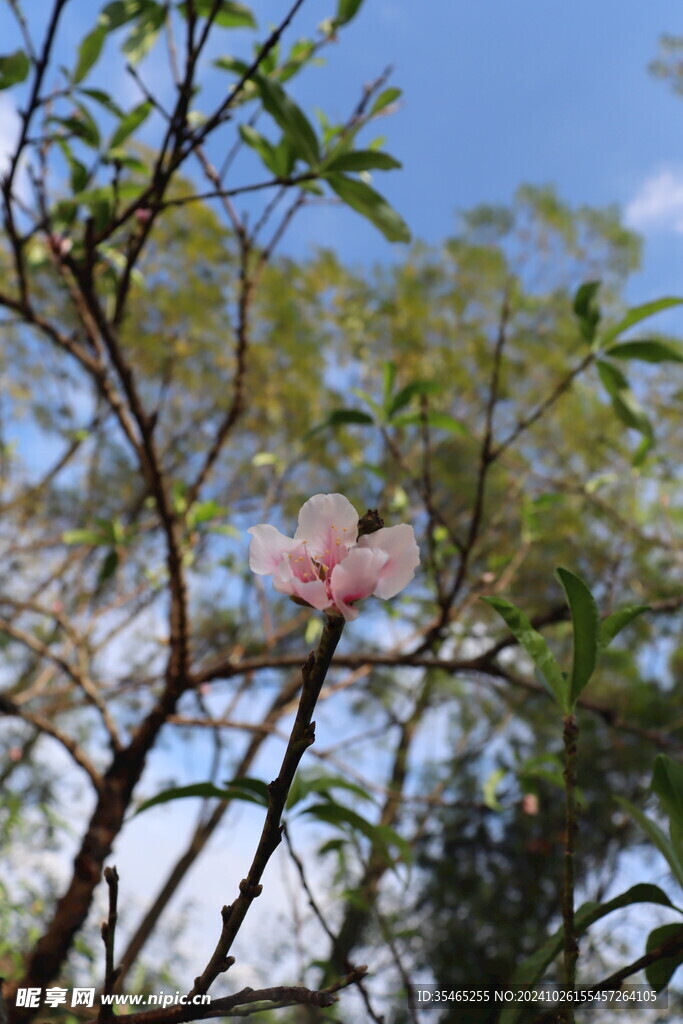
(403, 557)
(312, 592)
(354, 578)
(329, 525)
(267, 549)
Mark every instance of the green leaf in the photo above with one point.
(104, 100)
(232, 64)
(120, 12)
(263, 147)
(660, 972)
(252, 791)
(341, 416)
(109, 566)
(657, 837)
(531, 971)
(89, 51)
(636, 315)
(346, 10)
(204, 512)
(14, 68)
(362, 160)
(586, 625)
(144, 34)
(381, 836)
(611, 626)
(90, 537)
(410, 391)
(536, 647)
(440, 420)
(385, 99)
(78, 172)
(624, 402)
(130, 122)
(370, 204)
(291, 119)
(229, 15)
(649, 350)
(587, 310)
(490, 788)
(338, 418)
(667, 783)
(305, 784)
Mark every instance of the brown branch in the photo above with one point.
(301, 737)
(670, 948)
(278, 996)
(11, 708)
(205, 830)
(108, 936)
(544, 406)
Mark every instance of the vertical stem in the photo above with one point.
(301, 738)
(108, 936)
(571, 949)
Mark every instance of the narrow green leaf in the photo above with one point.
(14, 68)
(657, 837)
(667, 783)
(624, 402)
(385, 99)
(89, 51)
(305, 784)
(362, 160)
(342, 416)
(370, 204)
(413, 390)
(346, 10)
(120, 12)
(104, 100)
(109, 566)
(636, 315)
(290, 118)
(388, 377)
(587, 310)
(229, 15)
(143, 36)
(490, 788)
(89, 130)
(660, 972)
(531, 971)
(263, 147)
(586, 625)
(78, 172)
(130, 123)
(440, 420)
(90, 537)
(251, 791)
(381, 837)
(611, 626)
(648, 350)
(536, 647)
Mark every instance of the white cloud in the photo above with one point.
(658, 203)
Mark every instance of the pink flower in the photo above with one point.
(326, 564)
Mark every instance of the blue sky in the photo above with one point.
(495, 94)
(499, 93)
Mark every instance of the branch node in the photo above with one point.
(252, 891)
